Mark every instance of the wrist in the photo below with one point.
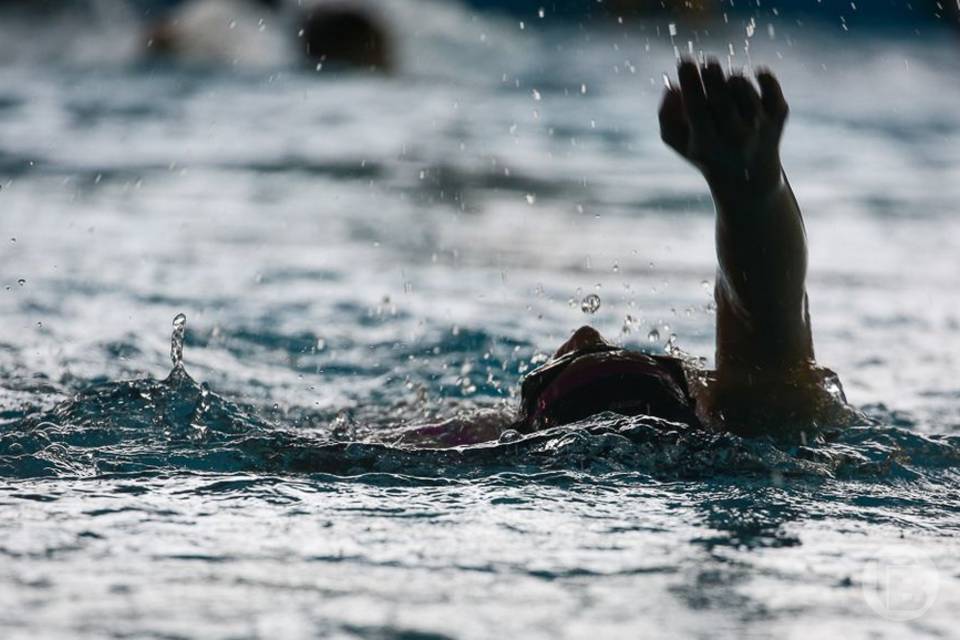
(749, 188)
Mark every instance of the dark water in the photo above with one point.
(356, 256)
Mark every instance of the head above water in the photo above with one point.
(589, 375)
(346, 37)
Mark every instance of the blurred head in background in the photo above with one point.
(345, 36)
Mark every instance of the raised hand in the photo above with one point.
(725, 127)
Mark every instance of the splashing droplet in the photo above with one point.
(508, 436)
(590, 304)
(176, 341)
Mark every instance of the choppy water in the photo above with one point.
(359, 255)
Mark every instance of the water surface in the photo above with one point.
(357, 255)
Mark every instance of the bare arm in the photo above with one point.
(731, 132)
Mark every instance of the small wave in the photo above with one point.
(179, 425)
(176, 424)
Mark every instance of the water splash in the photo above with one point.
(590, 304)
(176, 341)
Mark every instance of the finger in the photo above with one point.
(674, 128)
(774, 104)
(694, 98)
(746, 97)
(719, 99)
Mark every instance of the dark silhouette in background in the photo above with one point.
(345, 36)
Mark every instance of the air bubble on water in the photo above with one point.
(590, 304)
(508, 436)
(176, 340)
(653, 336)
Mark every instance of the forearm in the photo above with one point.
(762, 319)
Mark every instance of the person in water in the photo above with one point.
(333, 35)
(766, 380)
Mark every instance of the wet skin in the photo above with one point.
(766, 380)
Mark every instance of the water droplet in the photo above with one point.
(233, 24)
(13, 241)
(176, 340)
(590, 304)
(536, 95)
(751, 27)
(583, 89)
(671, 348)
(673, 29)
(21, 281)
(508, 436)
(653, 336)
(531, 199)
(541, 12)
